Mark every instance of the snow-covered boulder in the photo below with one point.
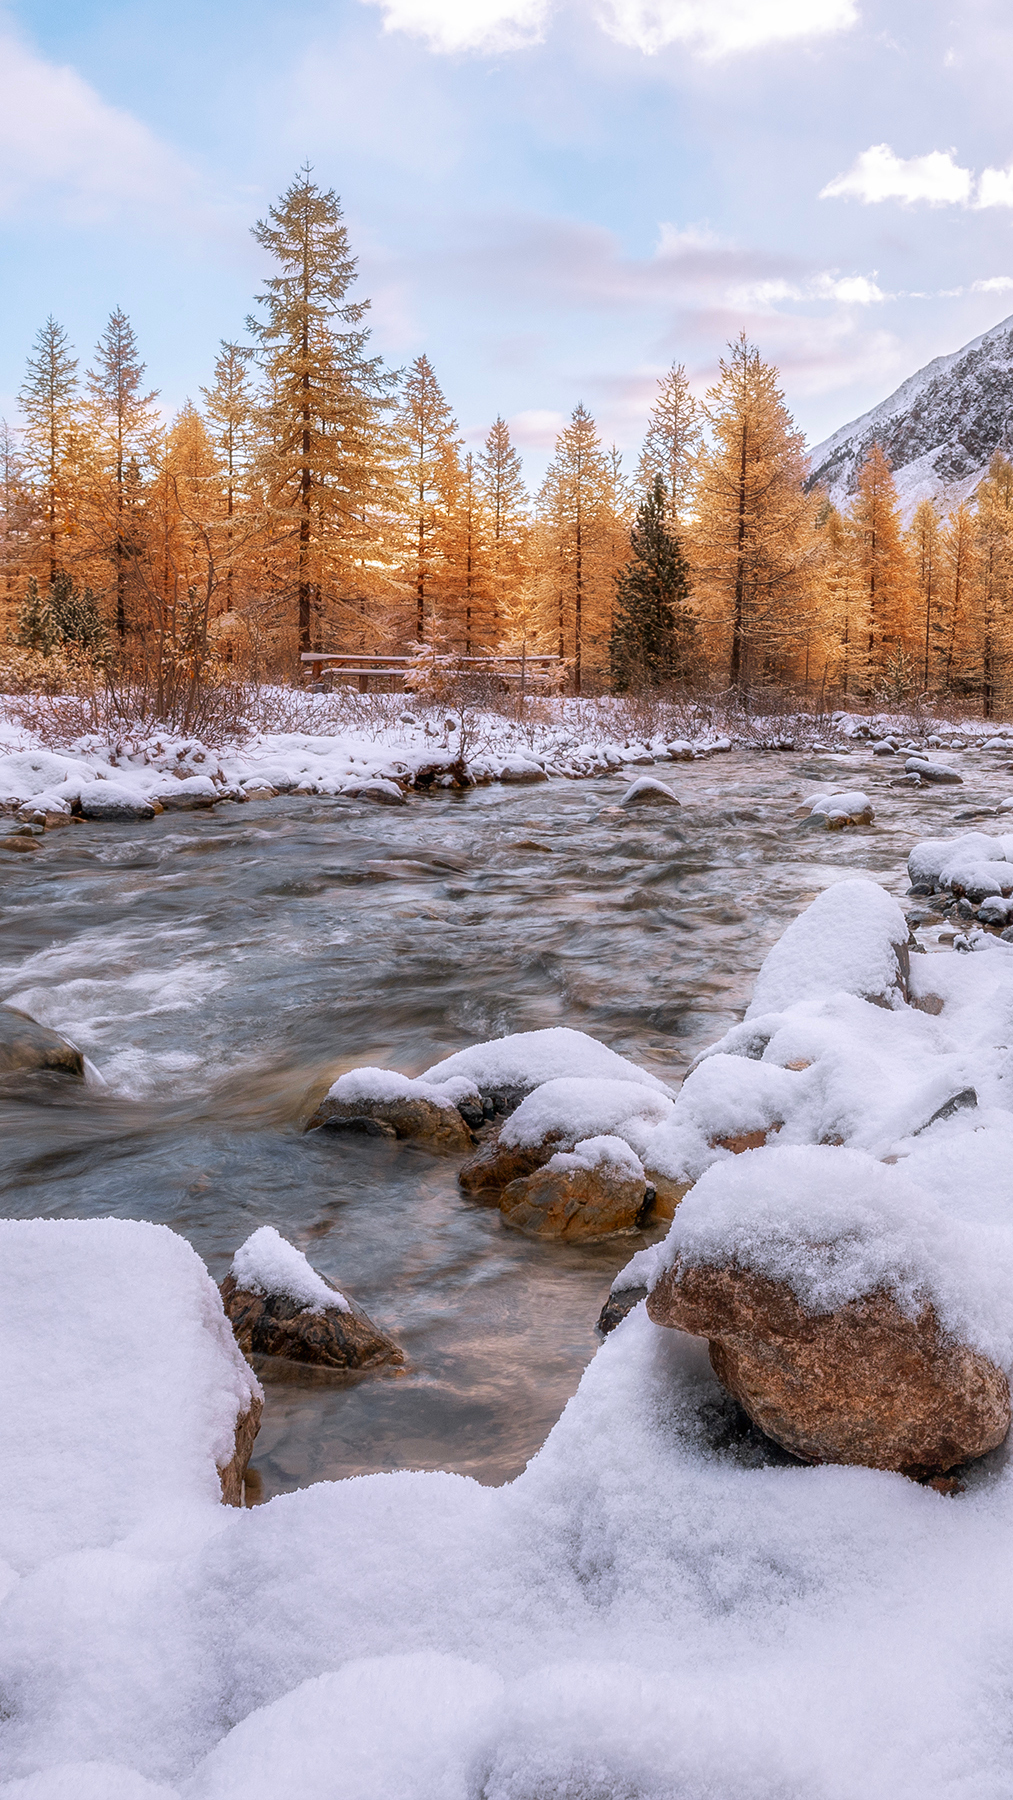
(556, 1116)
(648, 792)
(193, 794)
(505, 1069)
(931, 771)
(592, 1192)
(114, 801)
(845, 1311)
(280, 1306)
(520, 771)
(852, 937)
(122, 1390)
(402, 1107)
(838, 810)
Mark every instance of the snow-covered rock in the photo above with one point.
(851, 938)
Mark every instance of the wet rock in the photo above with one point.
(648, 792)
(24, 1045)
(260, 791)
(739, 1141)
(329, 1338)
(620, 1302)
(580, 1203)
(424, 1121)
(864, 1384)
(667, 1193)
(195, 793)
(233, 1474)
(18, 843)
(496, 1164)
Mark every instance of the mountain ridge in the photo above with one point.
(939, 429)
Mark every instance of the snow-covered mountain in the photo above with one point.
(939, 429)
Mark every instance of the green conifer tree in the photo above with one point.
(654, 630)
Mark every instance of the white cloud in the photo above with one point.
(878, 174)
(850, 290)
(710, 27)
(719, 27)
(995, 188)
(994, 284)
(454, 25)
(56, 132)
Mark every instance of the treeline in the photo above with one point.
(315, 499)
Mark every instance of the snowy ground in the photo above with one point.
(649, 1610)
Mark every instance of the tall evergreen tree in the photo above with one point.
(430, 444)
(924, 547)
(653, 628)
(126, 424)
(48, 401)
(501, 482)
(324, 464)
(228, 412)
(883, 567)
(672, 443)
(754, 535)
(574, 506)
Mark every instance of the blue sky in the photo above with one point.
(553, 198)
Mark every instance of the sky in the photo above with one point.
(553, 199)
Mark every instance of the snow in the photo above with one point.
(386, 1084)
(527, 1058)
(121, 1385)
(603, 1152)
(833, 805)
(647, 789)
(845, 940)
(268, 1264)
(579, 1108)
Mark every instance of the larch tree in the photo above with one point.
(125, 426)
(431, 475)
(653, 626)
(924, 547)
(575, 516)
(755, 545)
(229, 406)
(500, 475)
(960, 570)
(322, 465)
(48, 398)
(15, 517)
(883, 569)
(672, 443)
(994, 506)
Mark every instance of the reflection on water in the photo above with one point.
(220, 969)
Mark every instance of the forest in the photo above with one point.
(313, 498)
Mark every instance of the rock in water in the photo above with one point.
(864, 1384)
(24, 1044)
(648, 792)
(495, 1164)
(279, 1305)
(408, 1108)
(620, 1302)
(598, 1189)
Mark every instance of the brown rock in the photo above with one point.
(495, 1164)
(277, 1325)
(739, 1141)
(18, 843)
(24, 1044)
(232, 1475)
(667, 1194)
(580, 1205)
(865, 1384)
(437, 1127)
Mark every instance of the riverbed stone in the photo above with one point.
(103, 800)
(579, 1205)
(26, 1045)
(648, 792)
(423, 1121)
(495, 1164)
(277, 1325)
(18, 844)
(864, 1384)
(620, 1302)
(233, 1473)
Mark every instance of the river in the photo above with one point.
(218, 967)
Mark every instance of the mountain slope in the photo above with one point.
(939, 429)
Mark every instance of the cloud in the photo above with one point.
(710, 27)
(720, 27)
(995, 188)
(455, 25)
(536, 429)
(878, 174)
(56, 132)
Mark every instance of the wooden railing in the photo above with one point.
(524, 669)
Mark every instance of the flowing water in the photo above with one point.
(220, 968)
